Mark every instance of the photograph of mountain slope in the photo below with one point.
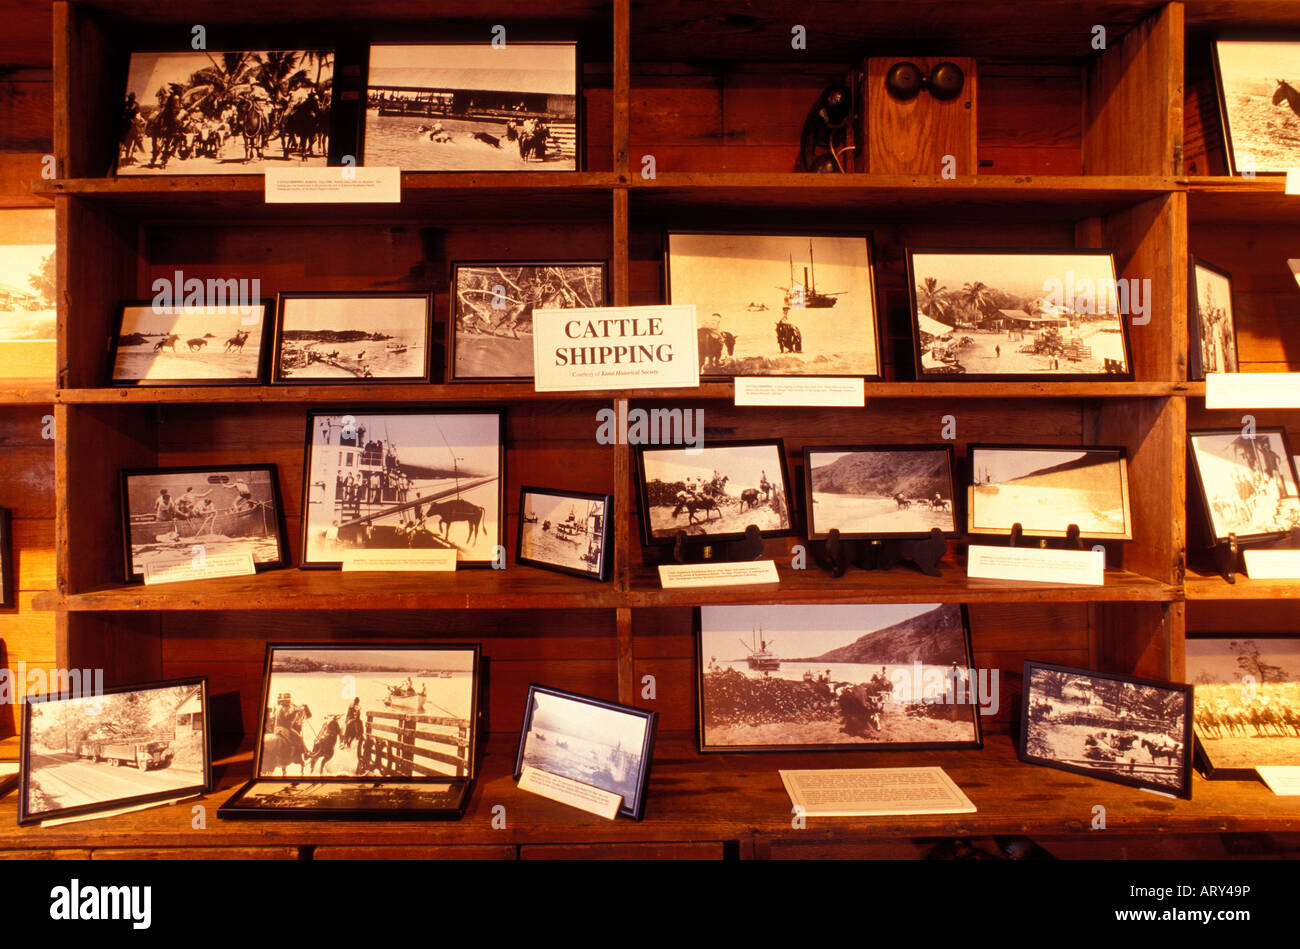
(879, 491)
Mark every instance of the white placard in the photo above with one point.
(875, 792)
(676, 576)
(615, 347)
(1272, 564)
(198, 566)
(1252, 390)
(1281, 779)
(802, 390)
(99, 815)
(333, 185)
(398, 560)
(1293, 181)
(1036, 565)
(557, 787)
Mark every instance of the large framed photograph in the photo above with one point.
(982, 315)
(598, 743)
(188, 345)
(352, 337)
(7, 597)
(403, 479)
(1213, 327)
(223, 509)
(842, 676)
(132, 745)
(879, 491)
(1046, 489)
(714, 493)
(777, 305)
(474, 107)
(1117, 728)
(490, 333)
(231, 112)
(1247, 483)
(28, 284)
(566, 531)
(1259, 101)
(1247, 703)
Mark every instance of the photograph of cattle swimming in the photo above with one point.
(721, 489)
(880, 491)
(1259, 82)
(328, 337)
(1247, 702)
(27, 293)
(777, 305)
(188, 344)
(822, 676)
(473, 107)
(1247, 480)
(1047, 489)
(223, 113)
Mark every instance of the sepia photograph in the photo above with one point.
(775, 305)
(492, 312)
(1259, 99)
(7, 584)
(403, 479)
(813, 676)
(867, 491)
(567, 531)
(188, 345)
(225, 113)
(473, 107)
(1047, 489)
(1117, 728)
(27, 293)
(127, 746)
(1214, 328)
(352, 337)
(1247, 482)
(429, 799)
(1017, 315)
(598, 743)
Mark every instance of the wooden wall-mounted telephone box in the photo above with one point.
(912, 137)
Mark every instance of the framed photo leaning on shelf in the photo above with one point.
(7, 596)
(1213, 326)
(879, 491)
(1246, 483)
(1259, 103)
(566, 531)
(28, 285)
(188, 345)
(352, 337)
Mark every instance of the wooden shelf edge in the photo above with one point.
(1211, 587)
(126, 187)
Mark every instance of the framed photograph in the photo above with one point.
(402, 479)
(1259, 101)
(1247, 483)
(813, 677)
(232, 112)
(474, 107)
(777, 305)
(1247, 703)
(714, 493)
(603, 744)
(1213, 328)
(565, 531)
(27, 294)
(1046, 488)
(131, 745)
(982, 315)
(1117, 728)
(879, 491)
(352, 337)
(7, 597)
(490, 333)
(188, 345)
(225, 509)
(411, 800)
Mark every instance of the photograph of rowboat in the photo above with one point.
(564, 531)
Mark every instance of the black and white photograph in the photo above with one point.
(491, 330)
(1213, 328)
(598, 743)
(127, 746)
(1247, 703)
(347, 800)
(473, 107)
(27, 293)
(403, 480)
(566, 531)
(352, 337)
(7, 584)
(1047, 489)
(1117, 728)
(715, 492)
(836, 676)
(777, 305)
(168, 512)
(885, 491)
(231, 112)
(1017, 315)
(1247, 482)
(188, 345)
(1259, 98)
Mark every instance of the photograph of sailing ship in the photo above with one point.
(566, 531)
(1213, 326)
(879, 491)
(352, 337)
(810, 677)
(777, 305)
(1247, 482)
(27, 288)
(403, 480)
(188, 345)
(1259, 100)
(167, 512)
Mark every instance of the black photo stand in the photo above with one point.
(1227, 552)
(1071, 540)
(750, 547)
(836, 554)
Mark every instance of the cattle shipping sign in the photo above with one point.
(624, 347)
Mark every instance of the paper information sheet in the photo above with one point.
(875, 792)
(1283, 780)
(1252, 390)
(100, 815)
(615, 347)
(1035, 565)
(400, 560)
(1272, 564)
(198, 566)
(681, 576)
(802, 391)
(336, 184)
(557, 787)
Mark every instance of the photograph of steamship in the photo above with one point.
(565, 531)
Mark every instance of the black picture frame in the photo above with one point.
(635, 810)
(1182, 790)
(111, 379)
(606, 532)
(276, 358)
(7, 598)
(411, 799)
(1225, 125)
(1197, 478)
(1195, 330)
(94, 752)
(954, 498)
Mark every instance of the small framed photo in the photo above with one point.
(714, 493)
(879, 491)
(352, 337)
(821, 677)
(1247, 483)
(599, 743)
(984, 315)
(28, 285)
(565, 531)
(1213, 327)
(777, 305)
(7, 596)
(225, 509)
(1046, 489)
(164, 345)
(120, 747)
(491, 327)
(1259, 101)
(1117, 728)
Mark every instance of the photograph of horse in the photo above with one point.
(1259, 90)
(1247, 702)
(720, 490)
(157, 345)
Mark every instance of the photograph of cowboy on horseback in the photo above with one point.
(1259, 86)
(717, 491)
(1247, 702)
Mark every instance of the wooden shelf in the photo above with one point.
(22, 392)
(1236, 200)
(1211, 586)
